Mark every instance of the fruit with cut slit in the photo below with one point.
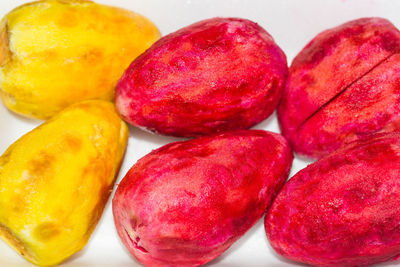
(215, 75)
(186, 203)
(54, 53)
(56, 179)
(343, 86)
(343, 210)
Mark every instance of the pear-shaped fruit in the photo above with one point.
(344, 209)
(55, 181)
(185, 203)
(54, 53)
(216, 75)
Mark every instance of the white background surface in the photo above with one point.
(292, 23)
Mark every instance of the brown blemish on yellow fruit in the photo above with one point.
(95, 215)
(11, 239)
(5, 52)
(95, 168)
(41, 164)
(46, 231)
(72, 142)
(93, 56)
(5, 158)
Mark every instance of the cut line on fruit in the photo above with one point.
(344, 90)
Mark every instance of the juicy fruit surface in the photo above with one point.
(215, 75)
(54, 53)
(343, 86)
(187, 202)
(342, 210)
(56, 179)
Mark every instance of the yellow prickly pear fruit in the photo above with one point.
(56, 179)
(54, 53)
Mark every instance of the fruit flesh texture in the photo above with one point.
(215, 75)
(342, 86)
(56, 179)
(187, 202)
(342, 210)
(55, 53)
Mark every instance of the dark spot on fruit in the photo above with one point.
(41, 163)
(5, 52)
(308, 79)
(183, 164)
(315, 52)
(5, 158)
(203, 152)
(95, 168)
(135, 223)
(97, 211)
(46, 231)
(92, 56)
(72, 142)
(135, 243)
(390, 41)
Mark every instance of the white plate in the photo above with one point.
(292, 23)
